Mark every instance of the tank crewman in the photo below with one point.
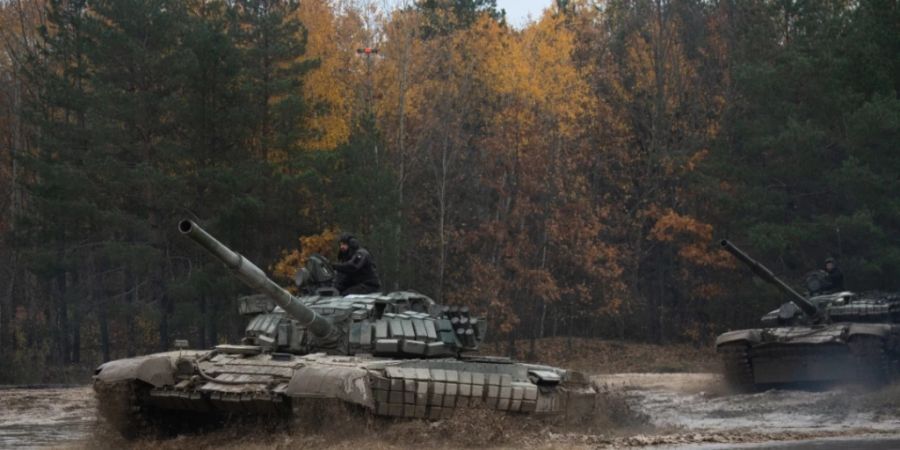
(355, 268)
(835, 277)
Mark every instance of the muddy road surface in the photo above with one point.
(696, 411)
(671, 411)
(699, 401)
(44, 417)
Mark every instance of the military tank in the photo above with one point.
(397, 354)
(820, 339)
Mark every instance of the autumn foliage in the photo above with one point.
(567, 177)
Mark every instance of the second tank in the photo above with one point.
(823, 338)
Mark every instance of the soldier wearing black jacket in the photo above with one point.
(355, 268)
(835, 276)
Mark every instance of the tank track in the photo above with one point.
(120, 408)
(737, 366)
(872, 363)
(124, 407)
(871, 360)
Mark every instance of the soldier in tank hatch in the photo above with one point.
(355, 268)
(835, 276)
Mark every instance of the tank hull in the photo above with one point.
(831, 353)
(215, 383)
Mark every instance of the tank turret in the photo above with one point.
(255, 278)
(763, 272)
(399, 323)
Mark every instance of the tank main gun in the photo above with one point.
(763, 272)
(254, 277)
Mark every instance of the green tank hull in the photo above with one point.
(839, 337)
(233, 380)
(833, 353)
(396, 354)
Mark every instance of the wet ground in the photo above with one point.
(681, 411)
(45, 417)
(696, 411)
(699, 402)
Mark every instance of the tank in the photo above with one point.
(819, 339)
(396, 354)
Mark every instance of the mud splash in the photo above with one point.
(672, 411)
(699, 401)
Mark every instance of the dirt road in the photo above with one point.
(45, 417)
(698, 401)
(675, 411)
(696, 411)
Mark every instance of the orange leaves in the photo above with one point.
(486, 293)
(695, 159)
(328, 89)
(542, 284)
(672, 224)
(693, 239)
(322, 243)
(612, 306)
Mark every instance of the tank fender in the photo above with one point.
(350, 384)
(750, 336)
(157, 370)
(881, 330)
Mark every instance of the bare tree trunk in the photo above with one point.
(131, 293)
(6, 310)
(76, 335)
(61, 307)
(211, 323)
(163, 322)
(62, 319)
(401, 182)
(103, 317)
(511, 344)
(661, 314)
(442, 215)
(6, 303)
(549, 198)
(555, 331)
(204, 319)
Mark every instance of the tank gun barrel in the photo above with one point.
(763, 272)
(254, 277)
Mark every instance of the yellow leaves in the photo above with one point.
(543, 285)
(708, 290)
(486, 294)
(695, 159)
(534, 71)
(694, 245)
(327, 89)
(321, 243)
(671, 224)
(613, 306)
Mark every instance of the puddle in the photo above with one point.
(700, 402)
(42, 417)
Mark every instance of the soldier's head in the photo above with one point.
(829, 264)
(348, 242)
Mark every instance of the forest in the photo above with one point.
(568, 178)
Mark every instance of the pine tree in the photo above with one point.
(58, 222)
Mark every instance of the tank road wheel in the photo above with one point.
(871, 361)
(312, 415)
(737, 366)
(119, 406)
